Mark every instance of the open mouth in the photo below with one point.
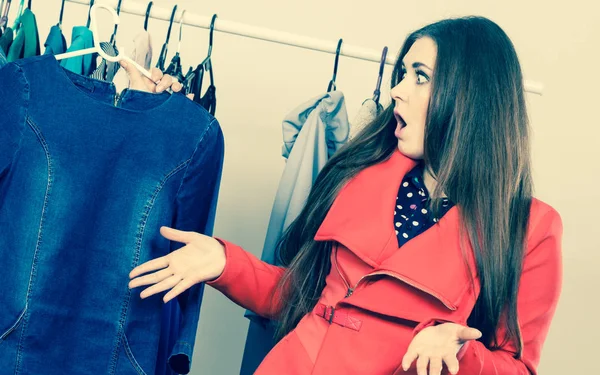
(399, 119)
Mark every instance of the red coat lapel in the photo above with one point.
(361, 219)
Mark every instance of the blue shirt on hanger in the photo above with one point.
(86, 181)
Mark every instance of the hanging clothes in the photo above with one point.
(141, 54)
(81, 38)
(366, 115)
(99, 176)
(209, 99)
(107, 69)
(312, 133)
(55, 42)
(6, 40)
(27, 41)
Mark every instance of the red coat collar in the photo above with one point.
(361, 219)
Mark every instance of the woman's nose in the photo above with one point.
(398, 93)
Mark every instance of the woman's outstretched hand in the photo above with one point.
(201, 259)
(436, 345)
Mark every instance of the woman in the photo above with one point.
(420, 246)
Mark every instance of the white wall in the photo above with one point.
(259, 82)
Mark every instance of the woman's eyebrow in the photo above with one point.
(417, 64)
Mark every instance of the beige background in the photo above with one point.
(259, 82)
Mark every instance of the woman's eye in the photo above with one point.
(422, 78)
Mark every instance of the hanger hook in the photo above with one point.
(171, 23)
(180, 30)
(377, 92)
(62, 10)
(89, 14)
(147, 15)
(94, 27)
(114, 34)
(335, 67)
(29, 5)
(212, 29)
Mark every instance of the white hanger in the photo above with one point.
(97, 44)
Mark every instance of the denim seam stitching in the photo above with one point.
(33, 272)
(139, 237)
(132, 359)
(14, 326)
(200, 141)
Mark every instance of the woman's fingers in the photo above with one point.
(422, 363)
(468, 333)
(156, 74)
(160, 287)
(152, 278)
(177, 235)
(165, 82)
(152, 265)
(452, 363)
(176, 87)
(181, 287)
(435, 366)
(409, 358)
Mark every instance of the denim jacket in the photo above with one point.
(86, 181)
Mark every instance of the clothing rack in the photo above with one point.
(261, 33)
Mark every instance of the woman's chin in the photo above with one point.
(408, 151)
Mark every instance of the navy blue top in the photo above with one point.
(411, 214)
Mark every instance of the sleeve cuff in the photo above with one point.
(222, 278)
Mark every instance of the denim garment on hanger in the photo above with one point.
(86, 182)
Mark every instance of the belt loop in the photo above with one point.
(332, 313)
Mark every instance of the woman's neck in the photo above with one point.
(430, 181)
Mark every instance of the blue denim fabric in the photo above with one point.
(84, 188)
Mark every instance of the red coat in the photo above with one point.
(401, 291)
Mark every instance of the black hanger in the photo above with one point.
(209, 100)
(89, 14)
(29, 5)
(114, 34)
(377, 92)
(163, 53)
(62, 10)
(175, 69)
(147, 15)
(332, 86)
(207, 63)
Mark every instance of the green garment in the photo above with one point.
(81, 38)
(6, 40)
(27, 41)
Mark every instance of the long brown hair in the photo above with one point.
(477, 146)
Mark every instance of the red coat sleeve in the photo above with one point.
(248, 281)
(539, 290)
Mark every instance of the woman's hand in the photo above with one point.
(137, 81)
(201, 259)
(437, 344)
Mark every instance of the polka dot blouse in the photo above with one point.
(411, 214)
